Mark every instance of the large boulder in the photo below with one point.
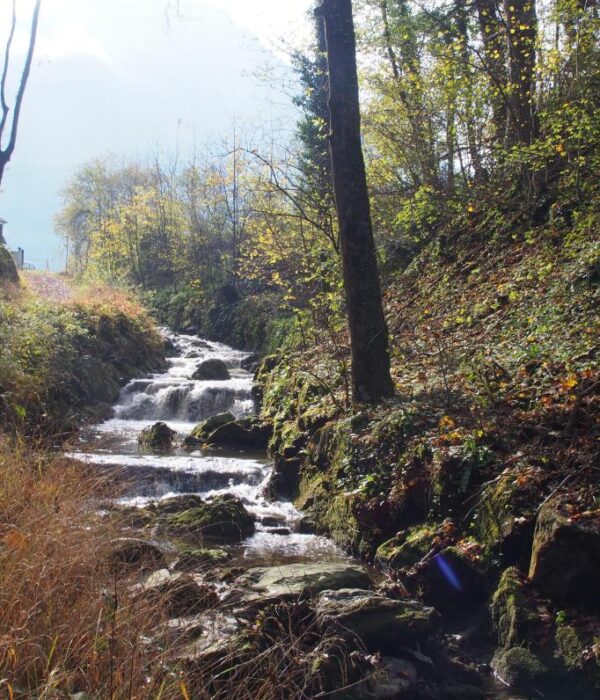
(382, 624)
(246, 433)
(306, 579)
(213, 369)
(158, 437)
(565, 560)
(223, 519)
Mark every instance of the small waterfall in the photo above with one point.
(181, 401)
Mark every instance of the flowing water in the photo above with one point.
(182, 402)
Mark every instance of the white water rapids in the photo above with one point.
(181, 402)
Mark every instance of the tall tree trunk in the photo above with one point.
(493, 37)
(521, 20)
(371, 379)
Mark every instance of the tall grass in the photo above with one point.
(70, 623)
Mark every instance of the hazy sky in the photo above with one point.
(132, 77)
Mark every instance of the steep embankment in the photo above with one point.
(65, 353)
(476, 486)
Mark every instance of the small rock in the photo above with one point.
(157, 437)
(130, 553)
(180, 593)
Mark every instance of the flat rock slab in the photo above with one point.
(307, 579)
(382, 624)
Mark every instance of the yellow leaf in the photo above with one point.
(447, 422)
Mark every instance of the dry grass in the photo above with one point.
(69, 624)
(66, 623)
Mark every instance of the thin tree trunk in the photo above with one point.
(371, 379)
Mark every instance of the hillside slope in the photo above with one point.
(477, 485)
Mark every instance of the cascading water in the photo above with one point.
(182, 402)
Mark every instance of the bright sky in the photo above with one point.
(133, 76)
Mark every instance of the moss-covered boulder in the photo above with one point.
(520, 668)
(514, 614)
(246, 433)
(8, 269)
(158, 437)
(565, 560)
(202, 431)
(223, 518)
(382, 624)
(211, 370)
(407, 548)
(505, 521)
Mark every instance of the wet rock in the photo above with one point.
(250, 363)
(170, 349)
(565, 560)
(223, 518)
(130, 553)
(180, 593)
(212, 369)
(157, 437)
(202, 431)
(245, 433)
(285, 478)
(283, 531)
(307, 579)
(395, 678)
(380, 623)
(450, 581)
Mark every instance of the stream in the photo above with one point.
(182, 402)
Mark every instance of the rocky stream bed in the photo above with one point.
(203, 533)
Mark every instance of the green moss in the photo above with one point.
(407, 548)
(519, 667)
(223, 518)
(514, 617)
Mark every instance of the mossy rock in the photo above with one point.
(202, 558)
(505, 521)
(520, 668)
(572, 645)
(158, 437)
(565, 560)
(8, 270)
(514, 615)
(224, 519)
(382, 624)
(245, 433)
(407, 548)
(202, 431)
